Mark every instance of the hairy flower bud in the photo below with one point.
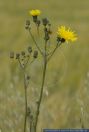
(23, 53)
(28, 77)
(17, 56)
(45, 21)
(11, 55)
(29, 49)
(28, 22)
(35, 55)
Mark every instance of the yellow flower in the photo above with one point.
(66, 34)
(35, 12)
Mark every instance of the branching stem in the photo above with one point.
(42, 87)
(52, 53)
(35, 42)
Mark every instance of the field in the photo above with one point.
(66, 99)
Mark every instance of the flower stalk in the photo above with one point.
(42, 87)
(25, 92)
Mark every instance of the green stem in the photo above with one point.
(52, 53)
(25, 88)
(41, 92)
(35, 42)
(37, 29)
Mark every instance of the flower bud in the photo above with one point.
(29, 49)
(45, 21)
(27, 22)
(23, 53)
(26, 27)
(17, 56)
(11, 55)
(35, 55)
(28, 77)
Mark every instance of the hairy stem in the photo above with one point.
(41, 92)
(25, 88)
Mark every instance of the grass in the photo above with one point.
(67, 70)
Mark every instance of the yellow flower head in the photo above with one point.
(66, 34)
(35, 12)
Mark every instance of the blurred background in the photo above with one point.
(66, 99)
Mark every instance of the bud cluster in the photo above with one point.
(47, 29)
(25, 56)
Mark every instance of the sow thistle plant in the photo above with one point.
(63, 35)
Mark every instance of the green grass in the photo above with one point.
(66, 72)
